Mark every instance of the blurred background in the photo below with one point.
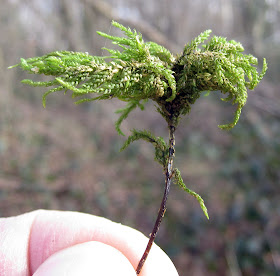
(67, 157)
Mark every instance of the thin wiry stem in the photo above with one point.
(168, 176)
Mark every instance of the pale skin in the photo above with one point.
(54, 243)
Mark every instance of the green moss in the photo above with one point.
(142, 71)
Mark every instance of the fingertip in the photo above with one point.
(88, 258)
(54, 231)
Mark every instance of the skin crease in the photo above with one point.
(66, 243)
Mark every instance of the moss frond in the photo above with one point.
(193, 45)
(140, 70)
(179, 181)
(124, 113)
(161, 149)
(217, 65)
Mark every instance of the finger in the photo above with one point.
(14, 240)
(55, 230)
(28, 240)
(89, 258)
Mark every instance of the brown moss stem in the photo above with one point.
(162, 209)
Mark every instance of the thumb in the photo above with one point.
(89, 258)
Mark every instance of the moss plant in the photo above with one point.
(143, 71)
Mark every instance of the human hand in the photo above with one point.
(71, 243)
